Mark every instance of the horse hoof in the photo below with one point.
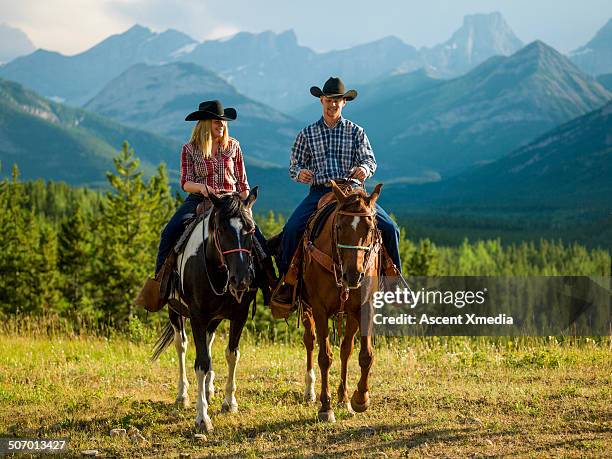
(182, 402)
(205, 425)
(309, 397)
(357, 406)
(326, 416)
(228, 408)
(348, 407)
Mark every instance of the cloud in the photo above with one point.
(197, 18)
(69, 26)
(72, 26)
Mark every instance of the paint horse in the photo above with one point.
(340, 275)
(216, 272)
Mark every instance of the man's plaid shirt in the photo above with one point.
(330, 153)
(223, 173)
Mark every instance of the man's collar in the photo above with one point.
(340, 122)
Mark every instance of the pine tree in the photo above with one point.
(128, 230)
(74, 260)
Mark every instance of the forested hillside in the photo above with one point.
(83, 255)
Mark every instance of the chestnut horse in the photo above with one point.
(340, 275)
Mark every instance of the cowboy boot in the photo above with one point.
(283, 293)
(155, 292)
(148, 297)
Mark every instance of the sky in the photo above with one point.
(72, 26)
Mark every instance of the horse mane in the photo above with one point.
(231, 206)
(354, 200)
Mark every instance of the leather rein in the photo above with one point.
(336, 268)
(221, 254)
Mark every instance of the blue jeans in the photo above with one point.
(175, 227)
(296, 225)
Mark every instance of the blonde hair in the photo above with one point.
(201, 137)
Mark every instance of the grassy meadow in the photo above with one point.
(452, 397)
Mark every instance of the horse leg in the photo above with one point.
(180, 343)
(202, 367)
(232, 355)
(309, 340)
(209, 387)
(346, 349)
(360, 401)
(325, 359)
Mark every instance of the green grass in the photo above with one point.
(451, 397)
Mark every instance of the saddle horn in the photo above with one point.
(375, 194)
(251, 198)
(213, 197)
(340, 196)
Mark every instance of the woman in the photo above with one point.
(210, 160)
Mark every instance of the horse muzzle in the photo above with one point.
(238, 288)
(352, 281)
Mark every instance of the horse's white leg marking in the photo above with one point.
(180, 343)
(236, 223)
(229, 403)
(193, 245)
(354, 223)
(210, 376)
(309, 392)
(202, 421)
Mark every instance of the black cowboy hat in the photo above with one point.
(212, 110)
(333, 87)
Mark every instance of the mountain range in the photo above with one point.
(569, 167)
(277, 70)
(268, 67)
(480, 37)
(13, 43)
(605, 80)
(49, 140)
(76, 79)
(450, 125)
(158, 97)
(595, 57)
(458, 119)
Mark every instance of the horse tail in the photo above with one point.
(164, 340)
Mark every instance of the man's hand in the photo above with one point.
(305, 176)
(358, 172)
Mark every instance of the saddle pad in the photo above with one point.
(319, 219)
(326, 199)
(190, 225)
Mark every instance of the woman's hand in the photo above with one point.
(204, 190)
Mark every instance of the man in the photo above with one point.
(333, 148)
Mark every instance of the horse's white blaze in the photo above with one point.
(180, 343)
(354, 223)
(236, 223)
(209, 386)
(230, 387)
(196, 239)
(309, 392)
(202, 404)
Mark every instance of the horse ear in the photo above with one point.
(251, 198)
(216, 200)
(374, 196)
(340, 196)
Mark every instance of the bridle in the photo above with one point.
(369, 249)
(221, 254)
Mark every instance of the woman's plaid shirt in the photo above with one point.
(330, 153)
(224, 173)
